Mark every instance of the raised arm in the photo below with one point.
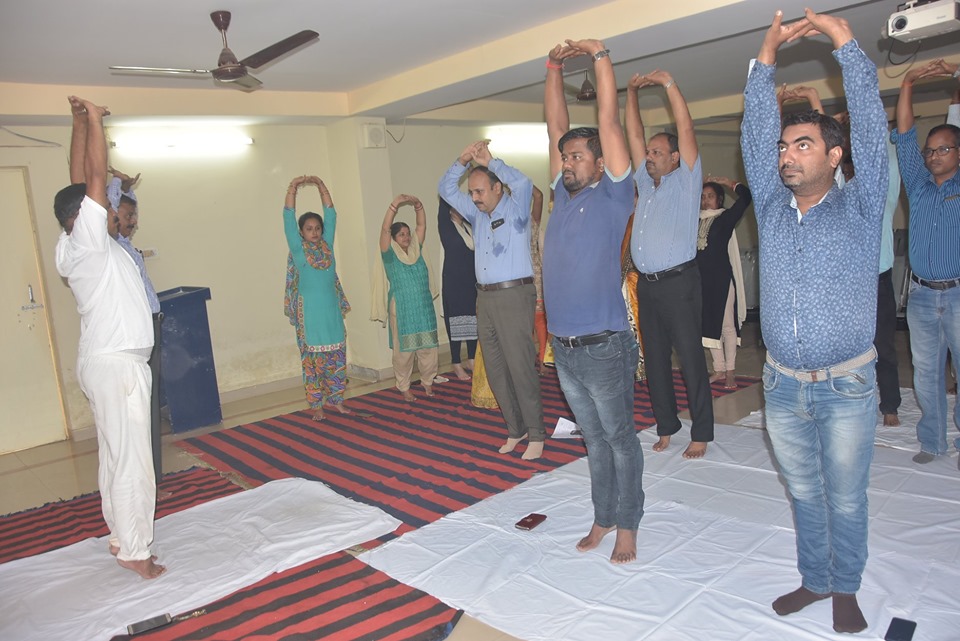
(636, 137)
(905, 118)
(449, 187)
(536, 211)
(421, 227)
(616, 158)
(325, 196)
(521, 187)
(399, 201)
(78, 141)
(761, 116)
(686, 138)
(800, 92)
(555, 103)
(290, 202)
(95, 149)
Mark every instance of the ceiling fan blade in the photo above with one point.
(245, 83)
(161, 70)
(276, 50)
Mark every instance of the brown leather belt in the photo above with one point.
(939, 285)
(506, 284)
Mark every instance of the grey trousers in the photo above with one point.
(505, 327)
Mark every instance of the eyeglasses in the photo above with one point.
(940, 151)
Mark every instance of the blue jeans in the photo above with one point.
(597, 381)
(823, 436)
(934, 320)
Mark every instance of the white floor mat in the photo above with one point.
(903, 437)
(210, 551)
(716, 546)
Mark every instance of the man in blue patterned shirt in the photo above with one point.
(819, 250)
(933, 313)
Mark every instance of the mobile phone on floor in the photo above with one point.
(531, 521)
(900, 630)
(148, 624)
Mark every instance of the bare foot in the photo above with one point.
(593, 539)
(339, 407)
(534, 451)
(470, 364)
(510, 445)
(718, 376)
(317, 415)
(695, 450)
(408, 396)
(428, 390)
(460, 372)
(625, 549)
(145, 568)
(662, 444)
(731, 380)
(114, 550)
(163, 495)
(891, 420)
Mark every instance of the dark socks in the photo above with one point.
(847, 616)
(796, 601)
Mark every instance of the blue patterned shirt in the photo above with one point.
(934, 213)
(501, 239)
(818, 275)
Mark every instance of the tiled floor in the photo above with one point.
(60, 471)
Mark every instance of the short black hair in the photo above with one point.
(672, 140)
(592, 136)
(66, 204)
(830, 130)
(718, 190)
(396, 227)
(951, 129)
(310, 215)
(128, 200)
(492, 177)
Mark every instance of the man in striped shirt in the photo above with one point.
(933, 313)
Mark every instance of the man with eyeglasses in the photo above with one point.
(933, 312)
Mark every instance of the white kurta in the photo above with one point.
(116, 336)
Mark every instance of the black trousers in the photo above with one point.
(671, 318)
(888, 379)
(155, 397)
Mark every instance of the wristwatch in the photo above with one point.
(601, 54)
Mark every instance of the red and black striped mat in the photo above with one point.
(416, 461)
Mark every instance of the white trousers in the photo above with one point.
(118, 388)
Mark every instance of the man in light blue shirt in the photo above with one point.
(932, 180)
(498, 208)
(664, 248)
(123, 201)
(819, 253)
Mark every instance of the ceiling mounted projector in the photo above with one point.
(918, 20)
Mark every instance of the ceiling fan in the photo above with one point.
(229, 71)
(586, 92)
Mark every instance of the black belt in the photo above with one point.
(506, 284)
(586, 339)
(668, 272)
(936, 284)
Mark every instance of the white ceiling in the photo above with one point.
(363, 42)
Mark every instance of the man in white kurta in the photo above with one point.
(116, 337)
